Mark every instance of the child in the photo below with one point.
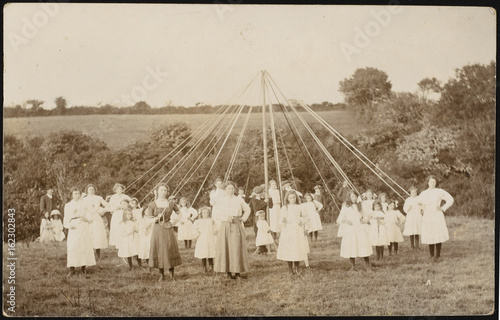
(274, 212)
(241, 193)
(383, 201)
(205, 230)
(311, 208)
(116, 218)
(128, 247)
(377, 219)
(264, 236)
(95, 207)
(393, 218)
(146, 224)
(355, 242)
(293, 246)
(137, 214)
(413, 223)
(187, 215)
(46, 232)
(371, 227)
(258, 202)
(57, 226)
(215, 194)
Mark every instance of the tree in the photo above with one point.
(60, 106)
(35, 104)
(364, 88)
(427, 86)
(470, 95)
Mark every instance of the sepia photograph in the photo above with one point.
(249, 160)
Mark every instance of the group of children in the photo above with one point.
(364, 222)
(368, 221)
(51, 227)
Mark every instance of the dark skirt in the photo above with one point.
(164, 252)
(231, 249)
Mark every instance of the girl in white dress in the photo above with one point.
(393, 220)
(46, 229)
(57, 227)
(293, 246)
(383, 201)
(137, 215)
(79, 245)
(355, 242)
(205, 230)
(413, 223)
(371, 228)
(216, 208)
(185, 225)
(264, 236)
(115, 205)
(115, 230)
(377, 219)
(434, 229)
(95, 207)
(274, 212)
(129, 233)
(311, 208)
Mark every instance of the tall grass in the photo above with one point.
(407, 284)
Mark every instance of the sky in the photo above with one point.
(180, 54)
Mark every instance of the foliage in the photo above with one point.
(364, 88)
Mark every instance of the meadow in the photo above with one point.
(409, 284)
(118, 131)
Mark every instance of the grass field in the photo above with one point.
(463, 283)
(118, 131)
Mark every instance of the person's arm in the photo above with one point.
(194, 214)
(318, 205)
(67, 216)
(448, 200)
(245, 208)
(42, 205)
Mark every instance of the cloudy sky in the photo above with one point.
(93, 54)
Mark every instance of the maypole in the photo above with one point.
(264, 139)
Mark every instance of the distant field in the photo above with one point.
(118, 131)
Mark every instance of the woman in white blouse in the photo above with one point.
(434, 229)
(231, 246)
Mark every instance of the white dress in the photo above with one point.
(311, 209)
(216, 207)
(377, 222)
(79, 244)
(371, 228)
(146, 224)
(274, 212)
(263, 236)
(393, 219)
(185, 224)
(293, 244)
(116, 218)
(413, 223)
(58, 230)
(115, 228)
(355, 241)
(434, 229)
(205, 230)
(46, 231)
(94, 210)
(128, 242)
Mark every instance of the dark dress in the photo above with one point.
(164, 252)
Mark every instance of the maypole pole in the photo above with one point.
(264, 138)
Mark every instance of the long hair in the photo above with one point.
(348, 202)
(200, 210)
(188, 203)
(287, 202)
(125, 212)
